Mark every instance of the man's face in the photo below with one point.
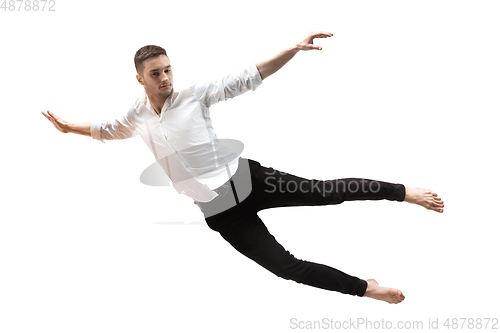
(157, 77)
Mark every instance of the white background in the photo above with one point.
(404, 92)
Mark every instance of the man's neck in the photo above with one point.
(157, 102)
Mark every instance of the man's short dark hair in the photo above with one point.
(146, 52)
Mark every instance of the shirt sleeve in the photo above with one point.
(120, 128)
(229, 86)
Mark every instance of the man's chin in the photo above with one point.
(165, 94)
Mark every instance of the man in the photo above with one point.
(231, 190)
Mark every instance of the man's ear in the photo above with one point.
(140, 79)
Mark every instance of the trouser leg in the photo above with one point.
(273, 188)
(250, 237)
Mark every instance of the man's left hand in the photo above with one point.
(308, 43)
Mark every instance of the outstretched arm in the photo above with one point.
(270, 66)
(113, 129)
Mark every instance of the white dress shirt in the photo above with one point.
(182, 137)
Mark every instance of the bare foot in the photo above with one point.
(390, 295)
(425, 198)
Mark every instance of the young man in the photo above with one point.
(231, 190)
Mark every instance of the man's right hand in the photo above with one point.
(58, 122)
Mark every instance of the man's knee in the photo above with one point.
(290, 268)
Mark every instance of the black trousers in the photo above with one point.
(254, 188)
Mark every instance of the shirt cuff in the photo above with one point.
(95, 131)
(255, 77)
